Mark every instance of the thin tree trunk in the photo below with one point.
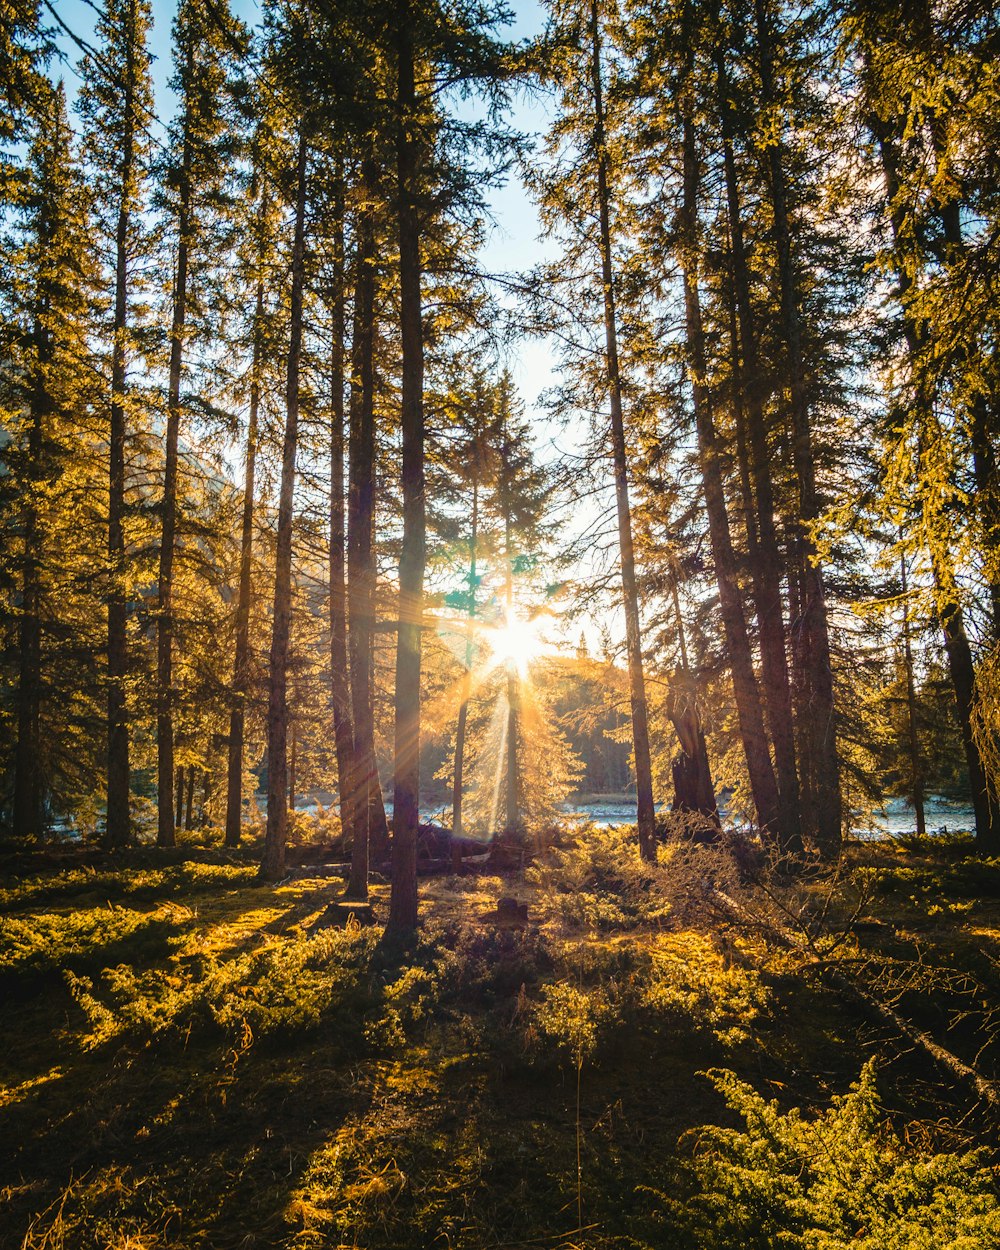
(118, 826)
(273, 862)
(179, 798)
(819, 711)
(513, 832)
(983, 426)
(645, 812)
(340, 686)
(961, 665)
(241, 659)
(165, 620)
(765, 553)
(463, 708)
(691, 771)
(406, 782)
(189, 803)
(27, 806)
(750, 714)
(916, 764)
(292, 761)
(360, 540)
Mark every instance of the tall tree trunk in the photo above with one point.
(514, 823)
(179, 796)
(27, 806)
(369, 832)
(984, 423)
(961, 665)
(189, 801)
(765, 552)
(168, 530)
(118, 827)
(690, 768)
(916, 763)
(750, 714)
(458, 781)
(818, 714)
(406, 781)
(241, 659)
(273, 862)
(340, 686)
(292, 762)
(645, 812)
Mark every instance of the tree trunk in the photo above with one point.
(916, 764)
(764, 550)
(406, 781)
(189, 804)
(367, 833)
(340, 686)
(168, 530)
(118, 826)
(272, 866)
(645, 813)
(241, 659)
(748, 705)
(690, 769)
(27, 806)
(818, 713)
(961, 665)
(292, 761)
(984, 424)
(513, 831)
(463, 708)
(179, 798)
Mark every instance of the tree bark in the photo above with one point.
(961, 666)
(764, 550)
(406, 781)
(370, 832)
(513, 830)
(645, 812)
(818, 713)
(763, 786)
(165, 622)
(118, 824)
(272, 866)
(189, 802)
(241, 659)
(463, 708)
(27, 805)
(916, 763)
(340, 686)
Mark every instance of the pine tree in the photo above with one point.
(195, 176)
(116, 106)
(51, 294)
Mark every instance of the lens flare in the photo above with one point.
(515, 642)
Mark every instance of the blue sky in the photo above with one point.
(512, 242)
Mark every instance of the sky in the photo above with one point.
(513, 242)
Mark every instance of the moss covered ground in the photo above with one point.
(189, 1059)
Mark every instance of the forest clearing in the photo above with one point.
(499, 624)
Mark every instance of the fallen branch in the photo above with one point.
(875, 1008)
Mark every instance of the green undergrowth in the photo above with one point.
(197, 1062)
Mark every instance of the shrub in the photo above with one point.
(89, 938)
(288, 986)
(837, 1181)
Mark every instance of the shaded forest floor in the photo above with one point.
(188, 1059)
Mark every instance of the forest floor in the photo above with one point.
(188, 1059)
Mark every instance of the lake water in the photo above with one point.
(897, 817)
